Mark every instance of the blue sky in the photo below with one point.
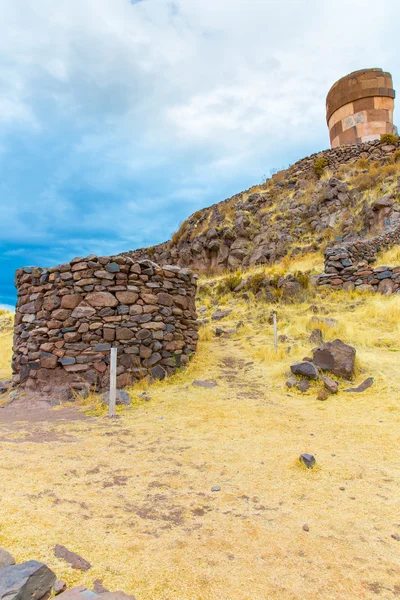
(120, 118)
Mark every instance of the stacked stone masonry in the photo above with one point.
(347, 266)
(68, 317)
(359, 107)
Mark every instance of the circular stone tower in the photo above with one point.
(359, 107)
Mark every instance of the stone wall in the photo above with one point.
(347, 266)
(359, 107)
(342, 155)
(68, 317)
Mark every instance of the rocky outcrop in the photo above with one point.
(289, 214)
(69, 316)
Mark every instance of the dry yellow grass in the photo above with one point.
(133, 495)
(6, 320)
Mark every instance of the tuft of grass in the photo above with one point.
(390, 139)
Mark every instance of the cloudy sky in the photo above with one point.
(119, 118)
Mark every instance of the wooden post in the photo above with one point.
(113, 382)
(275, 332)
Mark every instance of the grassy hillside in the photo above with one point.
(134, 497)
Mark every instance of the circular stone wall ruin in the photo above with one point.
(359, 107)
(68, 317)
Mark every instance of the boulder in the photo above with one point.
(336, 357)
(316, 337)
(29, 581)
(305, 368)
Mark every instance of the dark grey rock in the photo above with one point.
(316, 337)
(291, 382)
(303, 385)
(158, 372)
(29, 581)
(308, 460)
(122, 397)
(305, 368)
(112, 267)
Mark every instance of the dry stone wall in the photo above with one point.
(69, 316)
(347, 266)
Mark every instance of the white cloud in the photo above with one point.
(164, 103)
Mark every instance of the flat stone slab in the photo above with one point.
(76, 561)
(362, 387)
(205, 384)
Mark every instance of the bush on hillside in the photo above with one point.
(389, 139)
(320, 165)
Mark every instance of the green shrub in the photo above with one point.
(390, 139)
(320, 165)
(255, 282)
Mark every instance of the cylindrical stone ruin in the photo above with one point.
(68, 317)
(359, 107)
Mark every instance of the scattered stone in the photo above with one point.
(308, 460)
(220, 314)
(336, 357)
(323, 395)
(306, 369)
(6, 559)
(59, 586)
(98, 587)
(303, 385)
(362, 387)
(122, 397)
(216, 488)
(306, 527)
(79, 592)
(316, 337)
(29, 581)
(219, 332)
(291, 382)
(396, 537)
(118, 595)
(76, 561)
(205, 384)
(330, 385)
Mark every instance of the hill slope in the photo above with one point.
(294, 212)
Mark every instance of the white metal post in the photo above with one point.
(275, 332)
(113, 382)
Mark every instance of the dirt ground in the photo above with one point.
(134, 495)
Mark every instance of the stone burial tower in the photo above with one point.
(359, 107)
